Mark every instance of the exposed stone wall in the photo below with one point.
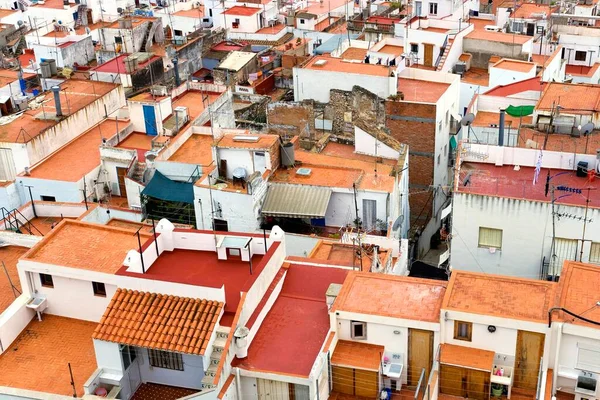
(414, 124)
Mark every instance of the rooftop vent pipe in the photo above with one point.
(501, 129)
(56, 91)
(176, 71)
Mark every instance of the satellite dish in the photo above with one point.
(398, 223)
(586, 129)
(467, 120)
(119, 10)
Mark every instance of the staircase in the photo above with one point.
(81, 15)
(156, 24)
(138, 172)
(444, 55)
(215, 357)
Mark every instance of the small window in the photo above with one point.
(99, 289)
(414, 47)
(359, 330)
(301, 20)
(490, 237)
(128, 355)
(580, 55)
(237, 21)
(48, 198)
(463, 330)
(46, 280)
(210, 12)
(118, 40)
(178, 32)
(445, 150)
(165, 359)
(433, 8)
(440, 126)
(439, 158)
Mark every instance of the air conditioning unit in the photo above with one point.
(460, 68)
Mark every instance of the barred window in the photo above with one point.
(165, 359)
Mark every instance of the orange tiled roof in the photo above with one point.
(157, 321)
(572, 98)
(579, 285)
(499, 37)
(357, 355)
(500, 296)
(375, 294)
(515, 65)
(466, 357)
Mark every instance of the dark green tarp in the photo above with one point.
(163, 188)
(519, 111)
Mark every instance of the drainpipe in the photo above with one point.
(501, 129)
(56, 91)
(176, 71)
(238, 389)
(559, 326)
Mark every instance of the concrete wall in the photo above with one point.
(13, 320)
(9, 197)
(482, 51)
(305, 88)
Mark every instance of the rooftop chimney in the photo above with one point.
(501, 129)
(56, 91)
(176, 71)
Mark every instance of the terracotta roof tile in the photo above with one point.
(579, 292)
(155, 321)
(357, 355)
(478, 293)
(466, 357)
(374, 294)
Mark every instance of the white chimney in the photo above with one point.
(241, 342)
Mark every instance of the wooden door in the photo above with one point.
(121, 174)
(428, 57)
(420, 355)
(530, 347)
(478, 384)
(269, 389)
(452, 380)
(343, 379)
(366, 383)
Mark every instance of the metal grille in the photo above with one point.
(165, 359)
(564, 249)
(595, 253)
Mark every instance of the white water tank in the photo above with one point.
(241, 341)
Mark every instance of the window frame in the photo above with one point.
(165, 360)
(99, 289)
(120, 40)
(130, 352)
(412, 46)
(489, 246)
(433, 5)
(48, 198)
(353, 335)
(469, 333)
(594, 257)
(581, 52)
(302, 21)
(45, 284)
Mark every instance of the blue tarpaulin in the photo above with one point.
(163, 188)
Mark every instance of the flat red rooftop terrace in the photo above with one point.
(504, 181)
(203, 268)
(293, 332)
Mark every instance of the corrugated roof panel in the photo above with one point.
(296, 201)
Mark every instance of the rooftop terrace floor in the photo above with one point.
(9, 255)
(38, 359)
(202, 268)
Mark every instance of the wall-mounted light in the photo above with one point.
(396, 332)
(491, 328)
(445, 315)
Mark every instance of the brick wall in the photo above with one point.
(414, 124)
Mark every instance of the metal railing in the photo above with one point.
(442, 51)
(11, 221)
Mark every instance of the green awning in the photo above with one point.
(163, 188)
(296, 201)
(453, 144)
(519, 111)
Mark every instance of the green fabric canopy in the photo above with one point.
(519, 111)
(163, 188)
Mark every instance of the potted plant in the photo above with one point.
(497, 390)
